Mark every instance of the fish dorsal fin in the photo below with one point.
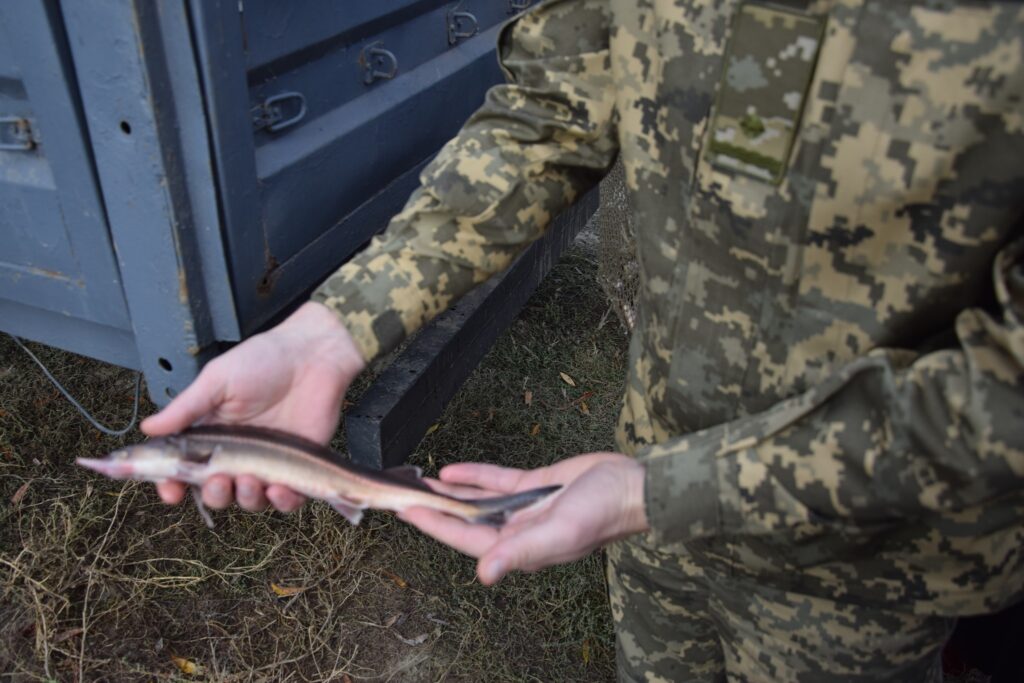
(407, 474)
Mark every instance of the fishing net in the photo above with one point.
(617, 269)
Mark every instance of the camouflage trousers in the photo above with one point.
(677, 621)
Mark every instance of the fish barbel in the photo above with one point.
(274, 457)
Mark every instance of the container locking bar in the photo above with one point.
(270, 114)
(16, 134)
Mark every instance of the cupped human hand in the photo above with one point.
(602, 500)
(292, 378)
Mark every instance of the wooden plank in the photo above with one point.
(395, 412)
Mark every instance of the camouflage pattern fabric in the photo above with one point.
(768, 68)
(826, 377)
(533, 147)
(679, 621)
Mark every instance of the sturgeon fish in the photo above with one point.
(275, 457)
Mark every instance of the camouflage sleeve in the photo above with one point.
(534, 146)
(892, 435)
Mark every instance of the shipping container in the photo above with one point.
(176, 174)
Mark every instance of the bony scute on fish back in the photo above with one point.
(276, 457)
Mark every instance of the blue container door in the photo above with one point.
(59, 280)
(323, 112)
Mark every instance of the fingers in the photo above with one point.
(198, 400)
(218, 492)
(491, 477)
(171, 492)
(527, 547)
(534, 547)
(284, 499)
(250, 494)
(470, 539)
(514, 553)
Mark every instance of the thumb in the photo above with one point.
(491, 569)
(520, 551)
(199, 399)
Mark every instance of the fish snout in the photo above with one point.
(115, 469)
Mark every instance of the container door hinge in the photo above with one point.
(279, 112)
(461, 25)
(377, 63)
(17, 134)
(517, 6)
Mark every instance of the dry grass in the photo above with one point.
(99, 581)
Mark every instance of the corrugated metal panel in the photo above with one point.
(173, 175)
(324, 184)
(56, 258)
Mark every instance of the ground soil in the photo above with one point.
(100, 581)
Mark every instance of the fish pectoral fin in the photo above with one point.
(197, 498)
(199, 454)
(350, 510)
(189, 472)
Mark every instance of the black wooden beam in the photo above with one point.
(395, 412)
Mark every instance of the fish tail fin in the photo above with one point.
(496, 511)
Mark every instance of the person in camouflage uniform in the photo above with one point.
(822, 426)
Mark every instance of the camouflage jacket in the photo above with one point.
(826, 380)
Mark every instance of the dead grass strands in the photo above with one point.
(99, 581)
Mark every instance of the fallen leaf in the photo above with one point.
(528, 397)
(432, 428)
(535, 429)
(20, 493)
(286, 591)
(390, 621)
(567, 379)
(186, 666)
(586, 651)
(345, 678)
(584, 408)
(398, 580)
